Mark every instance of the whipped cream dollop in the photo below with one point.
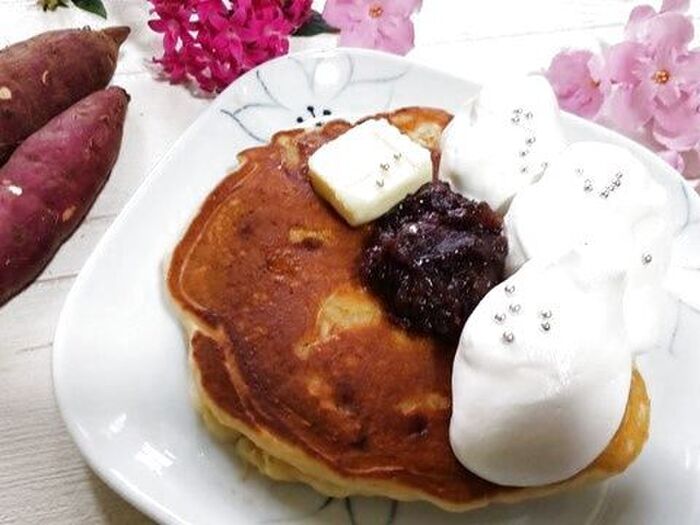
(542, 373)
(599, 195)
(502, 140)
(593, 191)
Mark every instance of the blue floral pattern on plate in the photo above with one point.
(310, 91)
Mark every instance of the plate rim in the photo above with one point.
(141, 500)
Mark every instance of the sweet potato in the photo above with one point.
(47, 74)
(50, 182)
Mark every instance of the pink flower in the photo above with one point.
(648, 85)
(214, 42)
(576, 79)
(377, 24)
(655, 73)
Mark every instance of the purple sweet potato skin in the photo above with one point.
(45, 75)
(51, 180)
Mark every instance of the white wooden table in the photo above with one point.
(42, 477)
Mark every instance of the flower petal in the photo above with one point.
(623, 62)
(396, 34)
(669, 30)
(675, 5)
(360, 35)
(674, 158)
(687, 69)
(585, 103)
(678, 127)
(668, 93)
(631, 107)
(680, 117)
(684, 142)
(345, 13)
(576, 89)
(569, 68)
(404, 8)
(596, 67)
(692, 167)
(636, 23)
(297, 11)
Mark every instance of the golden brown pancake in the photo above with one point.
(297, 361)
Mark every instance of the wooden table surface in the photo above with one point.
(43, 479)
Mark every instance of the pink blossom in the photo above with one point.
(214, 42)
(654, 74)
(377, 24)
(576, 80)
(647, 85)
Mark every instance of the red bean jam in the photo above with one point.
(432, 258)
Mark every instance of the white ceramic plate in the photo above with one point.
(120, 366)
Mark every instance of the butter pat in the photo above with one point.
(368, 170)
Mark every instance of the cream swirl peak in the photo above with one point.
(501, 141)
(544, 367)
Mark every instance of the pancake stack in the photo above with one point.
(298, 364)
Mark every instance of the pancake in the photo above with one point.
(298, 363)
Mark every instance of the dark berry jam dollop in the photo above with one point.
(433, 257)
